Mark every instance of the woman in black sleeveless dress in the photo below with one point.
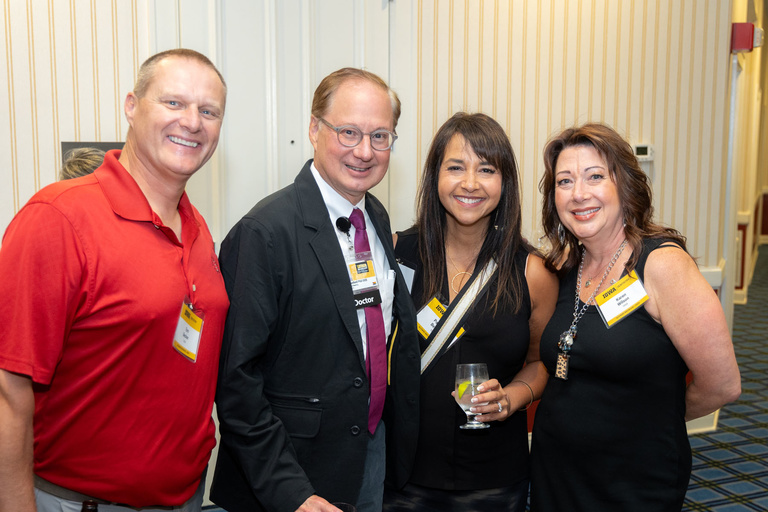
(610, 430)
(469, 218)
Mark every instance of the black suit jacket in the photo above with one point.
(292, 396)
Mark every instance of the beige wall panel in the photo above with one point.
(568, 60)
(404, 65)
(8, 161)
(656, 124)
(556, 67)
(632, 88)
(718, 155)
(295, 106)
(84, 72)
(67, 67)
(493, 68)
(512, 50)
(749, 190)
(597, 65)
(109, 118)
(708, 170)
(428, 78)
(701, 159)
(125, 58)
(25, 175)
(252, 90)
(669, 116)
(611, 65)
(654, 70)
(688, 145)
(38, 79)
(541, 90)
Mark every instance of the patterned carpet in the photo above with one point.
(730, 466)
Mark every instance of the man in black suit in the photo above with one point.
(321, 333)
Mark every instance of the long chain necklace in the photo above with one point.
(460, 273)
(566, 339)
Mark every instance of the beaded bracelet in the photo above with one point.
(529, 389)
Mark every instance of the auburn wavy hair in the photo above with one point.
(633, 187)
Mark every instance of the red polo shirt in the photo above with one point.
(94, 284)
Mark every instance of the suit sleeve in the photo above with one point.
(251, 435)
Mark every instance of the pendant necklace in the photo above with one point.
(566, 339)
(589, 282)
(460, 273)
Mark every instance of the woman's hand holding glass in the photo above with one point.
(492, 394)
(481, 398)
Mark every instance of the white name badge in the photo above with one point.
(186, 339)
(428, 317)
(621, 299)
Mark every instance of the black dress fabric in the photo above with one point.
(613, 436)
(447, 457)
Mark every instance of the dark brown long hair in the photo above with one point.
(634, 190)
(503, 238)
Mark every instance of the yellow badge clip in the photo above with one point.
(621, 299)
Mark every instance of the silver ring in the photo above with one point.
(499, 406)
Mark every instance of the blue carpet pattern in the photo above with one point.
(730, 466)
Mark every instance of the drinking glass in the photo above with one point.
(468, 377)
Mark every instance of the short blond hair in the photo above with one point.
(147, 69)
(321, 102)
(80, 162)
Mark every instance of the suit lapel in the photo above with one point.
(380, 221)
(328, 253)
(383, 231)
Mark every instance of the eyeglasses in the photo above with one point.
(350, 136)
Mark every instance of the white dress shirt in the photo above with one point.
(338, 206)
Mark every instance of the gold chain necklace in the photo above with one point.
(460, 273)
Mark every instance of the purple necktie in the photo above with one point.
(376, 362)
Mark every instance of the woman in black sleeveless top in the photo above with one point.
(610, 430)
(469, 218)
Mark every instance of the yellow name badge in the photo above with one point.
(186, 340)
(429, 316)
(362, 274)
(621, 299)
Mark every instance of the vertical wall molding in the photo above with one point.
(270, 87)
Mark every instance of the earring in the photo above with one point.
(560, 233)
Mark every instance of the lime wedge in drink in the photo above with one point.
(463, 387)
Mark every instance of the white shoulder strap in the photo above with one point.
(455, 315)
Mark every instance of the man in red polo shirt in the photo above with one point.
(114, 313)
